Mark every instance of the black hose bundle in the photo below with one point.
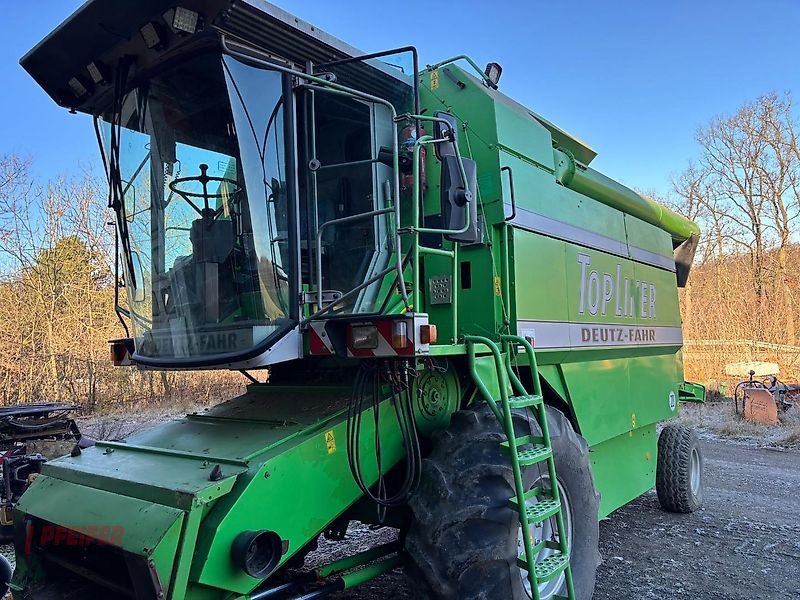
(367, 394)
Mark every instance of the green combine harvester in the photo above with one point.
(470, 335)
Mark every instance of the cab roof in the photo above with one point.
(102, 31)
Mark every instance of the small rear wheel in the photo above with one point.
(679, 473)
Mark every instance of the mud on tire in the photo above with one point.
(463, 537)
(679, 473)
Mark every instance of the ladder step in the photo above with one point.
(534, 492)
(549, 568)
(531, 456)
(536, 453)
(525, 401)
(525, 439)
(542, 510)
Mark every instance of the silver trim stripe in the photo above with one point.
(538, 223)
(559, 334)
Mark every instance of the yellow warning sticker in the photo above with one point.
(435, 79)
(330, 442)
(498, 291)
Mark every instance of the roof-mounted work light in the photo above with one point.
(98, 72)
(493, 72)
(185, 20)
(77, 87)
(152, 36)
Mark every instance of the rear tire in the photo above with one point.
(6, 571)
(679, 473)
(463, 537)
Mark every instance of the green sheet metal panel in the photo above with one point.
(539, 277)
(618, 319)
(599, 391)
(296, 493)
(550, 209)
(655, 382)
(524, 136)
(624, 467)
(145, 473)
(648, 237)
(140, 527)
(665, 302)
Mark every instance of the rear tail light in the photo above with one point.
(399, 335)
(121, 351)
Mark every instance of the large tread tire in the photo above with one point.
(463, 537)
(676, 446)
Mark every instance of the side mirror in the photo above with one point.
(459, 202)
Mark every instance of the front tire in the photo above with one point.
(464, 539)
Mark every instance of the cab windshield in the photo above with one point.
(204, 212)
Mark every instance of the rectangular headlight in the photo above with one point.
(364, 337)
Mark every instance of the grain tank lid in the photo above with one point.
(580, 150)
(104, 30)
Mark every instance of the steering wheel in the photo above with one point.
(204, 179)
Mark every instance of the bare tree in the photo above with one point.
(744, 192)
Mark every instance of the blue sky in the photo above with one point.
(632, 78)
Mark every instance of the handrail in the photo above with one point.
(471, 63)
(347, 295)
(518, 339)
(471, 340)
(427, 139)
(415, 217)
(551, 468)
(513, 214)
(339, 221)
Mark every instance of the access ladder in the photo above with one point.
(525, 451)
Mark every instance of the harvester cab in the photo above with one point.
(453, 306)
(251, 197)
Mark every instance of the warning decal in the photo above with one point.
(330, 442)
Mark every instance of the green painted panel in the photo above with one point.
(540, 280)
(655, 382)
(666, 304)
(164, 555)
(145, 474)
(624, 467)
(143, 524)
(536, 191)
(296, 494)
(523, 135)
(648, 237)
(600, 395)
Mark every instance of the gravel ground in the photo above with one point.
(744, 542)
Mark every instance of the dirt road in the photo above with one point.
(744, 543)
